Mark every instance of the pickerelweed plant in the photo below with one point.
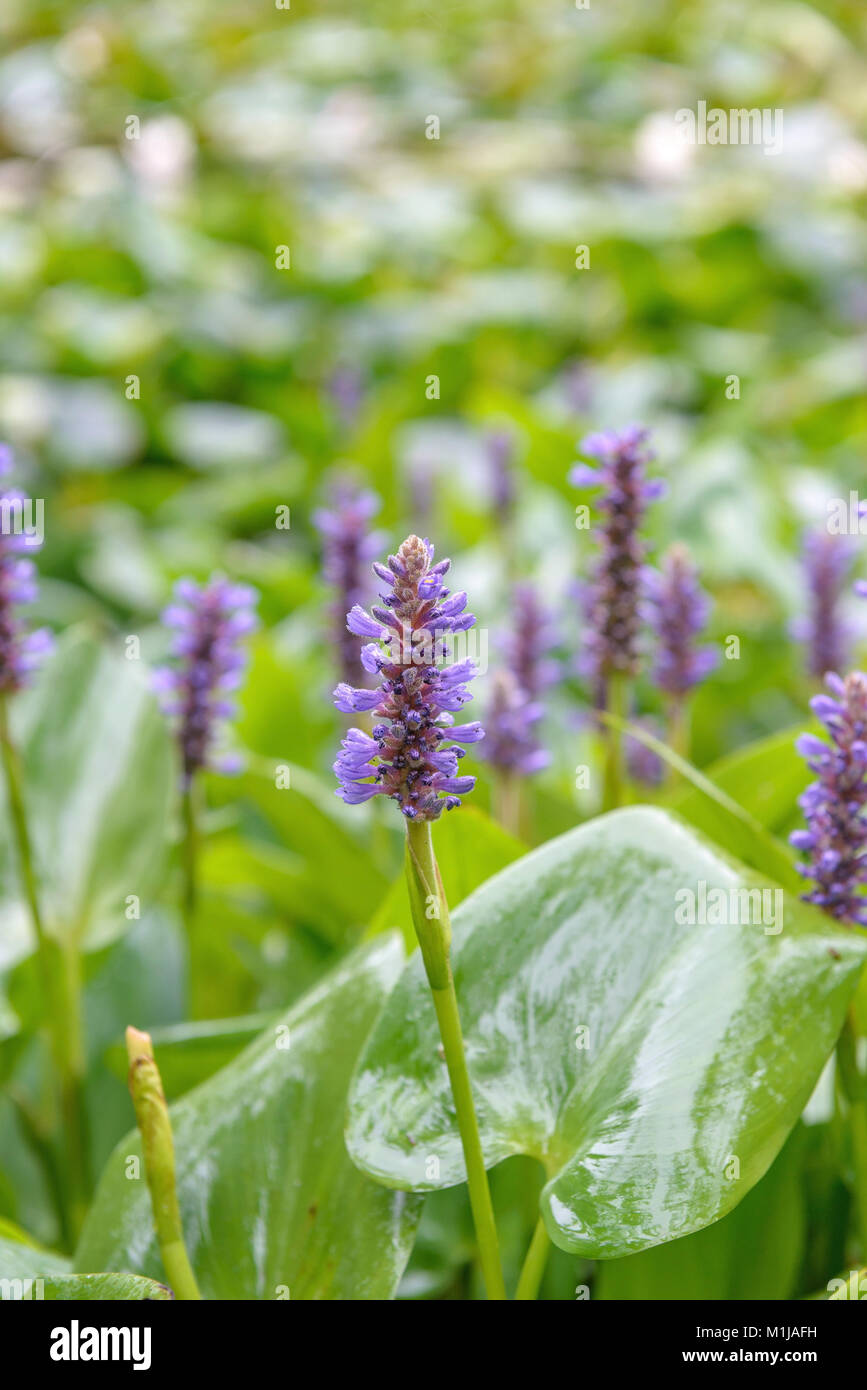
(835, 846)
(612, 598)
(412, 757)
(21, 651)
(827, 562)
(348, 548)
(195, 690)
(515, 706)
(677, 610)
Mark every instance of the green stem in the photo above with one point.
(534, 1265)
(190, 887)
(855, 1091)
(152, 1114)
(507, 800)
(433, 929)
(61, 989)
(190, 852)
(617, 703)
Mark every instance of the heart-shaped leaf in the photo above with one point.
(654, 1065)
(99, 772)
(271, 1204)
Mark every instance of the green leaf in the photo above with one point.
(696, 1047)
(29, 1273)
(191, 1052)
(470, 848)
(753, 1253)
(719, 815)
(269, 1199)
(765, 779)
(99, 773)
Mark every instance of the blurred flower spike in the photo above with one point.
(208, 622)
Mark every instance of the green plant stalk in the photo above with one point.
(855, 1091)
(617, 703)
(433, 928)
(152, 1114)
(190, 884)
(533, 1267)
(60, 972)
(508, 802)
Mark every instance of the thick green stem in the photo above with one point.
(855, 1091)
(534, 1265)
(59, 967)
(433, 929)
(152, 1114)
(617, 703)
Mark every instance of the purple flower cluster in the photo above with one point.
(349, 547)
(406, 758)
(499, 451)
(835, 840)
(514, 708)
(677, 610)
(827, 561)
(611, 600)
(208, 622)
(529, 642)
(510, 719)
(346, 390)
(20, 650)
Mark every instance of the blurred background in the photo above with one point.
(244, 246)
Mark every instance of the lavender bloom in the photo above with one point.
(510, 742)
(529, 641)
(500, 449)
(346, 389)
(349, 546)
(407, 758)
(611, 600)
(20, 651)
(209, 622)
(677, 610)
(835, 840)
(827, 562)
(643, 765)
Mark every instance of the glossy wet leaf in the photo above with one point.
(269, 1199)
(754, 1252)
(634, 1054)
(30, 1273)
(99, 773)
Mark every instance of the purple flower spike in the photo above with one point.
(611, 600)
(407, 756)
(21, 651)
(209, 622)
(835, 840)
(348, 547)
(346, 390)
(828, 560)
(677, 610)
(500, 451)
(510, 739)
(529, 642)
